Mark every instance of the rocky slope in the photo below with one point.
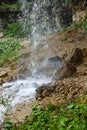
(71, 47)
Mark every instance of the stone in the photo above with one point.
(65, 16)
(55, 62)
(39, 90)
(75, 57)
(45, 90)
(38, 96)
(69, 96)
(39, 99)
(45, 93)
(3, 73)
(66, 71)
(51, 87)
(57, 90)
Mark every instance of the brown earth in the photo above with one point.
(65, 89)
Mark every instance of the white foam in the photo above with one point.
(21, 90)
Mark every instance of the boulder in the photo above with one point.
(75, 57)
(55, 62)
(39, 90)
(66, 71)
(65, 16)
(45, 93)
(45, 90)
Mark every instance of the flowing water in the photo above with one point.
(37, 21)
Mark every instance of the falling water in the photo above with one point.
(41, 16)
(38, 18)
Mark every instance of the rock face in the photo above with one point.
(48, 67)
(75, 57)
(45, 90)
(65, 17)
(8, 12)
(8, 1)
(66, 71)
(55, 62)
(63, 75)
(8, 15)
(51, 13)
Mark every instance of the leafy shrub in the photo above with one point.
(14, 30)
(8, 50)
(71, 117)
(81, 25)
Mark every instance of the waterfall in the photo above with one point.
(39, 15)
(38, 18)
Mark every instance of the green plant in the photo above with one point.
(84, 26)
(14, 30)
(15, 6)
(70, 117)
(81, 25)
(8, 51)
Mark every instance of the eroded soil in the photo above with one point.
(55, 45)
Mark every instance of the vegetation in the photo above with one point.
(81, 25)
(11, 6)
(8, 51)
(14, 30)
(70, 117)
(66, 117)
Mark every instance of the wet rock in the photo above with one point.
(46, 93)
(51, 87)
(48, 66)
(35, 85)
(65, 16)
(75, 57)
(55, 62)
(38, 96)
(39, 90)
(66, 71)
(45, 90)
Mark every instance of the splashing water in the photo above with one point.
(37, 21)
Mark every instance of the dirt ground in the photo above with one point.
(57, 45)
